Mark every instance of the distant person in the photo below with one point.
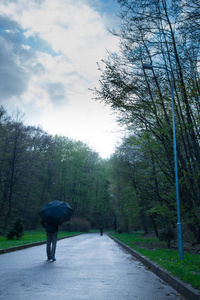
(52, 234)
(101, 229)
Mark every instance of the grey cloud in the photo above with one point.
(17, 62)
(6, 23)
(56, 92)
(38, 68)
(6, 2)
(13, 74)
(13, 79)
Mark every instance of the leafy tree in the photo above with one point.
(153, 32)
(36, 168)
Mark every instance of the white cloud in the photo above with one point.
(58, 47)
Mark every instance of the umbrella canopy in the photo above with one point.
(56, 212)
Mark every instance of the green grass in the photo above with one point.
(29, 237)
(188, 269)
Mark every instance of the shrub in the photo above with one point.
(16, 231)
(66, 226)
(80, 225)
(167, 235)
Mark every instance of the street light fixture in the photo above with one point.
(117, 226)
(180, 245)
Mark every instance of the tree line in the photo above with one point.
(165, 34)
(36, 168)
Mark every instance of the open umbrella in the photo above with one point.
(56, 212)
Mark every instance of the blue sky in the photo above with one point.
(48, 55)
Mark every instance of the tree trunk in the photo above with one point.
(144, 222)
(154, 225)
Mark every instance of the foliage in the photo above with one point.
(36, 168)
(167, 235)
(79, 224)
(187, 270)
(165, 34)
(17, 231)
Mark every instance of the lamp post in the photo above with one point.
(117, 230)
(180, 245)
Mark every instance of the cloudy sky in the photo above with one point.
(48, 55)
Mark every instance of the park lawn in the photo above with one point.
(188, 269)
(29, 237)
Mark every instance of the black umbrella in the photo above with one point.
(56, 212)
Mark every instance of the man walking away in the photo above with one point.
(101, 229)
(52, 234)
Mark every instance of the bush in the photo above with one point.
(167, 235)
(66, 226)
(17, 231)
(78, 224)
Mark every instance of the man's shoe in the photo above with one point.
(53, 258)
(48, 258)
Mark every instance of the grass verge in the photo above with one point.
(29, 237)
(188, 269)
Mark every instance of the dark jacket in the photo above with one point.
(46, 225)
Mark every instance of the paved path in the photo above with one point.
(88, 267)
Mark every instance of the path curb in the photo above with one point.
(183, 288)
(20, 247)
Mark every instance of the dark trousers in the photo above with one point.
(51, 243)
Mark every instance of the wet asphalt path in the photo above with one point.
(88, 267)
